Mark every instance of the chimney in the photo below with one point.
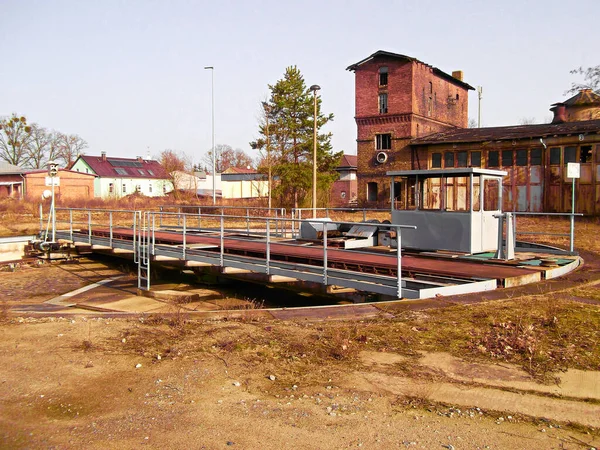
(103, 156)
(560, 113)
(140, 159)
(458, 74)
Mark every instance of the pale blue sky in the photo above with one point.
(128, 75)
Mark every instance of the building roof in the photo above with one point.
(239, 170)
(125, 167)
(582, 98)
(34, 171)
(514, 132)
(6, 168)
(347, 162)
(438, 72)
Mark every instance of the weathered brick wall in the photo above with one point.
(406, 118)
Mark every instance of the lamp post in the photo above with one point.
(314, 88)
(214, 163)
(479, 95)
(267, 109)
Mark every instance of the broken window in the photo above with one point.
(384, 142)
(585, 154)
(383, 103)
(383, 76)
(436, 160)
(372, 191)
(475, 159)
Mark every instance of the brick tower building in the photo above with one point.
(399, 98)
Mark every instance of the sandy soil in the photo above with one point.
(80, 382)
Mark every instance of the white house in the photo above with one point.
(118, 177)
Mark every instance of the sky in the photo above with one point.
(128, 76)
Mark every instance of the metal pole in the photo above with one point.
(110, 227)
(183, 238)
(221, 258)
(53, 212)
(41, 218)
(572, 237)
(325, 253)
(479, 94)
(314, 88)
(214, 164)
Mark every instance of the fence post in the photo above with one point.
(364, 215)
(221, 257)
(89, 227)
(183, 238)
(71, 226)
(110, 228)
(41, 219)
(399, 262)
(268, 247)
(247, 221)
(325, 253)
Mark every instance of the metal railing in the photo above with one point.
(298, 213)
(570, 234)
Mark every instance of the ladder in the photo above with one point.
(141, 250)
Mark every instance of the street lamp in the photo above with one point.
(214, 163)
(267, 109)
(314, 88)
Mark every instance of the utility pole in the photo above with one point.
(214, 163)
(314, 88)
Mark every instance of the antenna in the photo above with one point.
(480, 96)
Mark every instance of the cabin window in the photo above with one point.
(555, 156)
(493, 159)
(461, 159)
(475, 159)
(436, 160)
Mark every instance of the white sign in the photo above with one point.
(573, 170)
(50, 179)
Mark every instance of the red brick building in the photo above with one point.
(73, 185)
(399, 98)
(344, 191)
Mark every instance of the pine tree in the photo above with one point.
(289, 113)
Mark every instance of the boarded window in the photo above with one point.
(383, 103)
(448, 159)
(570, 154)
(384, 141)
(555, 155)
(461, 159)
(507, 158)
(475, 159)
(536, 157)
(436, 160)
(521, 158)
(493, 159)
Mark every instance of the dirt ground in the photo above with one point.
(172, 382)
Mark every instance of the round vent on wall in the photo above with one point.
(381, 157)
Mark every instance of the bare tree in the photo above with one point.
(226, 157)
(15, 136)
(591, 80)
(69, 148)
(472, 123)
(527, 121)
(42, 146)
(177, 164)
